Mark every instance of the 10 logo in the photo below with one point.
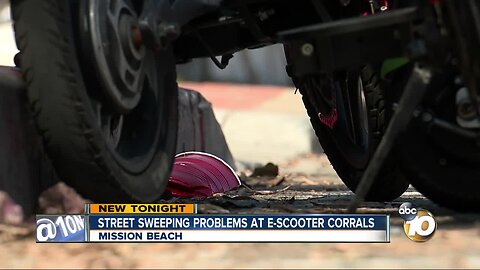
(419, 224)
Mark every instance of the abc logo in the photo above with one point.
(407, 211)
(419, 224)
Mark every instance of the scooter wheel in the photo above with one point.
(105, 106)
(352, 141)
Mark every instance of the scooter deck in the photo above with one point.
(350, 42)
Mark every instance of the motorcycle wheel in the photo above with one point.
(350, 144)
(105, 107)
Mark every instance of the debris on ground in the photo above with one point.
(61, 199)
(10, 211)
(269, 169)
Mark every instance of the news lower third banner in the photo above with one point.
(181, 223)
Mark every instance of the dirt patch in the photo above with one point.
(455, 244)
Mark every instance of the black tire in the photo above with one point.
(453, 185)
(61, 100)
(391, 182)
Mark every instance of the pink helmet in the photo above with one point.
(198, 174)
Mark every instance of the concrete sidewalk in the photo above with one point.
(8, 48)
(261, 123)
